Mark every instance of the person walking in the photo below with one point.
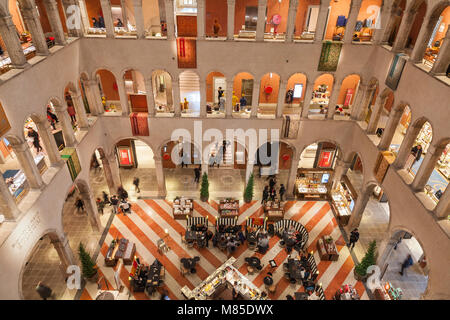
(282, 191)
(197, 174)
(415, 155)
(406, 264)
(272, 183)
(71, 112)
(105, 197)
(114, 203)
(123, 194)
(354, 237)
(136, 185)
(79, 204)
(125, 207)
(265, 194)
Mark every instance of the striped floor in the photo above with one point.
(150, 218)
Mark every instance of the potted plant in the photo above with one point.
(88, 265)
(204, 190)
(368, 260)
(248, 192)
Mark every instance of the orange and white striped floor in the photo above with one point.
(149, 219)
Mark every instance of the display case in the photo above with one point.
(343, 199)
(312, 184)
(182, 207)
(274, 210)
(229, 208)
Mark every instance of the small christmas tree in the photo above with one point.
(248, 192)
(204, 190)
(368, 260)
(88, 265)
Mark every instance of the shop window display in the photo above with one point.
(306, 20)
(337, 20)
(154, 21)
(276, 19)
(162, 92)
(245, 19)
(437, 38)
(368, 20)
(243, 90)
(320, 100)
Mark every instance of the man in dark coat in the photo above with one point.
(354, 237)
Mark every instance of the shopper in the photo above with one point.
(95, 163)
(263, 244)
(79, 204)
(71, 112)
(265, 194)
(100, 205)
(354, 237)
(105, 197)
(164, 295)
(95, 23)
(197, 174)
(272, 182)
(35, 136)
(114, 203)
(101, 22)
(282, 191)
(136, 184)
(243, 102)
(119, 23)
(235, 293)
(123, 194)
(44, 291)
(125, 207)
(406, 264)
(273, 194)
(219, 94)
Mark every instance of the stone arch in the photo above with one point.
(164, 95)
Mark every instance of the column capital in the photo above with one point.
(20, 147)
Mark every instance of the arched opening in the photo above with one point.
(306, 19)
(337, 20)
(162, 92)
(436, 31)
(245, 18)
(294, 95)
(369, 103)
(216, 18)
(190, 94)
(97, 175)
(136, 160)
(323, 87)
(347, 96)
(314, 170)
(367, 21)
(135, 89)
(415, 28)
(419, 148)
(379, 119)
(186, 18)
(276, 19)
(216, 87)
(243, 88)
(397, 17)
(47, 264)
(109, 92)
(355, 173)
(400, 129)
(94, 17)
(47, 27)
(268, 95)
(399, 273)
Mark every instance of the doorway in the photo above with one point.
(247, 90)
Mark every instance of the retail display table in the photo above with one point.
(229, 208)
(120, 249)
(274, 210)
(327, 249)
(182, 207)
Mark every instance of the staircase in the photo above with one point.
(190, 89)
(226, 161)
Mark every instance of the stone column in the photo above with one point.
(403, 31)
(293, 4)
(255, 98)
(358, 210)
(28, 166)
(170, 19)
(31, 18)
(150, 97)
(442, 210)
(66, 126)
(200, 19)
(107, 16)
(48, 141)
(55, 22)
(203, 113)
(123, 97)
(321, 22)
(94, 92)
(426, 168)
(139, 18)
(422, 39)
(78, 104)
(441, 64)
(112, 172)
(261, 24)
(8, 205)
(229, 98)
(176, 97)
(360, 101)
(351, 23)
(281, 97)
(386, 19)
(292, 176)
(162, 192)
(389, 130)
(376, 113)
(8, 32)
(405, 147)
(124, 13)
(340, 170)
(91, 210)
(230, 19)
(65, 253)
(333, 99)
(307, 99)
(74, 29)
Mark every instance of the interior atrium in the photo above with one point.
(258, 149)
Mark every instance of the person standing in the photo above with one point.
(282, 191)
(35, 136)
(79, 204)
(219, 94)
(105, 197)
(44, 291)
(273, 193)
(235, 293)
(197, 174)
(119, 23)
(272, 183)
(406, 264)
(71, 112)
(354, 237)
(416, 153)
(100, 205)
(123, 194)
(114, 203)
(101, 22)
(265, 194)
(136, 184)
